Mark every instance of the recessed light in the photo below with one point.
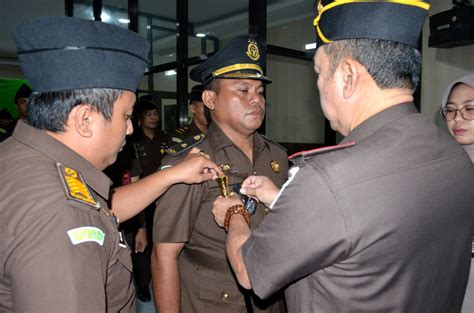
(200, 35)
(310, 46)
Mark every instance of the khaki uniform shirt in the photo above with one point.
(150, 151)
(381, 226)
(57, 253)
(183, 214)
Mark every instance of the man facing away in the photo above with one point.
(190, 272)
(382, 223)
(60, 248)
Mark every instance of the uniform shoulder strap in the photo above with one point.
(297, 157)
(75, 187)
(185, 145)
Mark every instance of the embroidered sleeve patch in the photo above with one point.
(86, 234)
(75, 186)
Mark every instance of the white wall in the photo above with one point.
(440, 67)
(9, 67)
(293, 110)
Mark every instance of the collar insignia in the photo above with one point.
(75, 187)
(275, 166)
(252, 50)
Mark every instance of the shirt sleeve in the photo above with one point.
(176, 210)
(48, 272)
(304, 232)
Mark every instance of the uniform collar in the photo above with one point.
(42, 142)
(219, 139)
(470, 151)
(380, 119)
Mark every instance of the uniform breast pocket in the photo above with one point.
(141, 151)
(218, 291)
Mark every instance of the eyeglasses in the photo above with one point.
(449, 114)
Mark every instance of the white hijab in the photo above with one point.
(468, 80)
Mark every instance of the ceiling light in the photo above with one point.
(310, 46)
(105, 17)
(170, 73)
(200, 35)
(124, 20)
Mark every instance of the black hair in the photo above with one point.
(23, 92)
(50, 110)
(391, 64)
(214, 85)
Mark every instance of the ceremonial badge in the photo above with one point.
(76, 188)
(252, 50)
(275, 166)
(223, 180)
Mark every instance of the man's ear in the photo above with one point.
(350, 71)
(83, 116)
(209, 98)
(192, 108)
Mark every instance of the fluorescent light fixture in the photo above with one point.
(105, 17)
(124, 20)
(200, 35)
(170, 73)
(148, 27)
(310, 46)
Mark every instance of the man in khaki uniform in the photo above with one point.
(201, 117)
(189, 266)
(383, 222)
(60, 248)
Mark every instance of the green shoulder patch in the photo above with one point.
(185, 145)
(75, 186)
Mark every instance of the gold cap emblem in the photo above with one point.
(275, 166)
(320, 6)
(252, 50)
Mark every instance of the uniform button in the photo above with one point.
(225, 296)
(266, 210)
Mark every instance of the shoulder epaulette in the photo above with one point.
(274, 142)
(75, 186)
(185, 145)
(313, 152)
(181, 130)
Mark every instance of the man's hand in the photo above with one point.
(260, 188)
(220, 207)
(141, 240)
(195, 168)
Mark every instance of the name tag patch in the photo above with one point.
(86, 234)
